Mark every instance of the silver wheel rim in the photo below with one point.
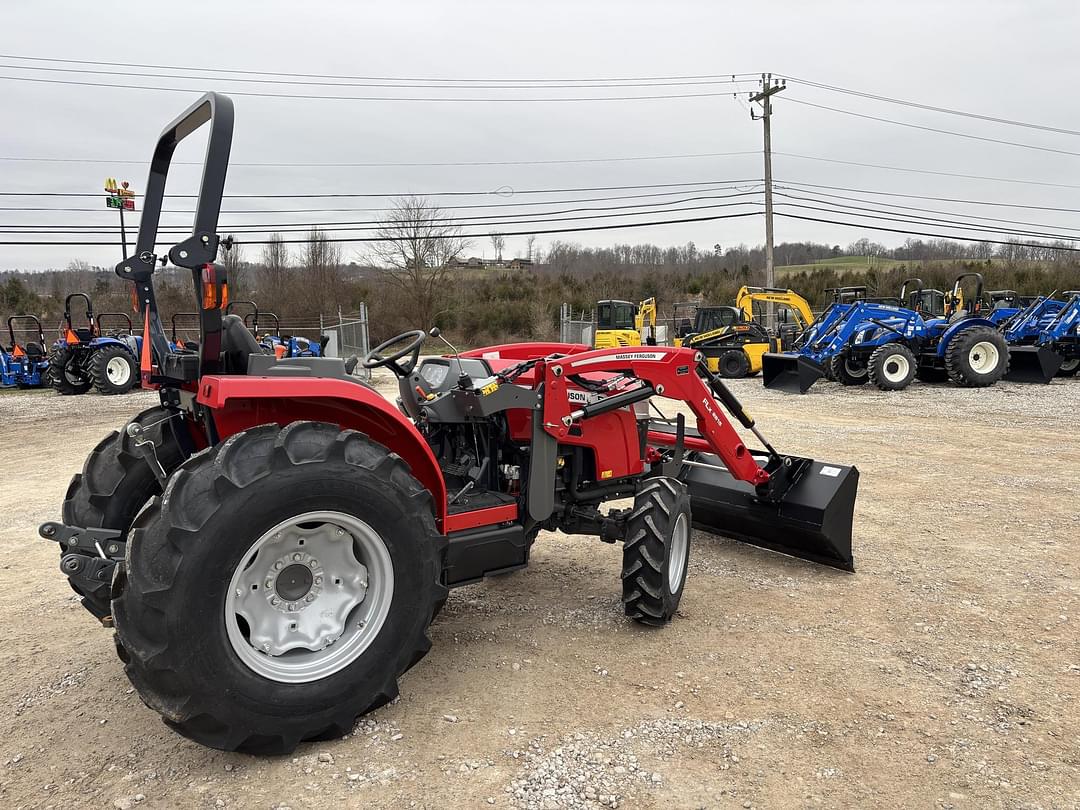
(854, 371)
(896, 368)
(983, 357)
(680, 546)
(118, 370)
(1069, 365)
(309, 597)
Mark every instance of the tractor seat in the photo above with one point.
(34, 352)
(959, 315)
(237, 345)
(84, 335)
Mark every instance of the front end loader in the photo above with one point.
(272, 541)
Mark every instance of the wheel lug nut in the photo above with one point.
(278, 565)
(292, 605)
(297, 557)
(318, 580)
(275, 601)
(314, 563)
(309, 598)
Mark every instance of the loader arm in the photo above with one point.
(746, 297)
(674, 373)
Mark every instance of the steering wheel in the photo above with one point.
(415, 340)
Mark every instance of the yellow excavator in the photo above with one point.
(620, 323)
(732, 338)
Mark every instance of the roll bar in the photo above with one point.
(918, 284)
(176, 315)
(954, 300)
(254, 314)
(102, 316)
(89, 310)
(252, 323)
(197, 252)
(37, 327)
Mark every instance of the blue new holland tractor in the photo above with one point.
(24, 365)
(84, 358)
(890, 345)
(1050, 329)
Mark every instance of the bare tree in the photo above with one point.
(321, 265)
(530, 246)
(419, 241)
(232, 257)
(498, 243)
(274, 273)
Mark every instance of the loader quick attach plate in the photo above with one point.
(812, 521)
(793, 373)
(1033, 364)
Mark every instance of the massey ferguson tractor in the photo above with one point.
(272, 541)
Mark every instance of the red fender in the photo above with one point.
(240, 403)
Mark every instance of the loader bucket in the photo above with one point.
(812, 522)
(1033, 364)
(789, 372)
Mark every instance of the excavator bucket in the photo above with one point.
(1033, 364)
(812, 521)
(789, 372)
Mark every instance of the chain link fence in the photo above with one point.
(349, 336)
(576, 330)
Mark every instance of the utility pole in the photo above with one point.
(769, 88)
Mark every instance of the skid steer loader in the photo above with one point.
(272, 541)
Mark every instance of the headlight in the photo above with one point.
(866, 334)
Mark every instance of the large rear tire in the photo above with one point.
(65, 373)
(977, 357)
(656, 552)
(115, 483)
(214, 619)
(847, 371)
(114, 370)
(892, 367)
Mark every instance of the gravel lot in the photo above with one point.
(945, 673)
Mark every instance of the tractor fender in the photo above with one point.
(240, 402)
(954, 329)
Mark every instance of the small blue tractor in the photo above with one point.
(24, 364)
(888, 345)
(275, 343)
(84, 358)
(1047, 332)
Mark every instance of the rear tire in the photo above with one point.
(892, 367)
(65, 374)
(656, 552)
(182, 634)
(847, 371)
(114, 370)
(115, 483)
(977, 357)
(734, 364)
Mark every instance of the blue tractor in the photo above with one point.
(24, 365)
(1049, 330)
(275, 343)
(889, 345)
(85, 358)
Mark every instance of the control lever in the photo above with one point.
(464, 380)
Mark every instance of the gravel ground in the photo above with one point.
(945, 673)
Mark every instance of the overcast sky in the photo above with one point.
(1014, 60)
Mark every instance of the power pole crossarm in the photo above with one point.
(769, 88)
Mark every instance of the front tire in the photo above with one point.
(734, 364)
(1069, 367)
(892, 367)
(656, 552)
(65, 372)
(977, 357)
(114, 370)
(847, 371)
(187, 607)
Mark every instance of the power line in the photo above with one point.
(290, 164)
(304, 97)
(923, 209)
(930, 107)
(931, 235)
(375, 226)
(922, 171)
(499, 192)
(937, 199)
(358, 78)
(621, 226)
(934, 129)
(397, 84)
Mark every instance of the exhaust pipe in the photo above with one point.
(1033, 364)
(811, 521)
(789, 372)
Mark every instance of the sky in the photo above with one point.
(1014, 60)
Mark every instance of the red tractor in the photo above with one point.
(273, 540)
